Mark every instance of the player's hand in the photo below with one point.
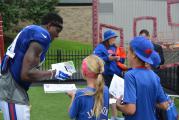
(62, 75)
(119, 102)
(118, 58)
(113, 58)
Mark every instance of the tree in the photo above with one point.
(9, 14)
(37, 8)
(14, 11)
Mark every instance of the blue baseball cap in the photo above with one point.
(143, 48)
(156, 59)
(109, 34)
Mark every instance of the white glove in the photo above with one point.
(62, 75)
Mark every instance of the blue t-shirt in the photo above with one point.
(82, 105)
(110, 67)
(114, 68)
(143, 88)
(26, 36)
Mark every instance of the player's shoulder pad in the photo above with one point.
(39, 34)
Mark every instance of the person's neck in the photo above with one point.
(137, 63)
(90, 83)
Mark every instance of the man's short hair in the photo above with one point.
(144, 31)
(52, 18)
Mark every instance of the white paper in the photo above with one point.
(64, 67)
(117, 86)
(59, 88)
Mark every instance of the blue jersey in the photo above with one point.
(82, 105)
(143, 88)
(32, 33)
(110, 67)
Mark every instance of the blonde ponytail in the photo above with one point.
(98, 68)
(98, 95)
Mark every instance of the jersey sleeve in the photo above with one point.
(129, 88)
(41, 37)
(74, 109)
(101, 52)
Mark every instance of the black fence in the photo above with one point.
(171, 55)
(170, 78)
(169, 75)
(59, 55)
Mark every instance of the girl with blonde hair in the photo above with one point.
(92, 102)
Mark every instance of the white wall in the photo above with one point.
(124, 12)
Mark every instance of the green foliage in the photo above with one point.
(35, 9)
(30, 10)
(10, 15)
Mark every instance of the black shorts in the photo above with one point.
(107, 80)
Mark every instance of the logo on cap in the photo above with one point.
(148, 51)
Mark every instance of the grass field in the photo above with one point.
(69, 45)
(47, 106)
(50, 106)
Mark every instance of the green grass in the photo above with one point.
(46, 106)
(51, 106)
(69, 45)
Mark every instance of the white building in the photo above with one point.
(121, 13)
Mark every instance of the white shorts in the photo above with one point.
(13, 111)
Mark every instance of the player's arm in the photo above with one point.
(128, 109)
(29, 71)
(163, 105)
(161, 55)
(71, 94)
(129, 106)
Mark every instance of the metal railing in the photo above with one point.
(59, 55)
(169, 77)
(169, 73)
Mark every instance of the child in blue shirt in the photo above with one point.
(106, 50)
(92, 102)
(142, 91)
